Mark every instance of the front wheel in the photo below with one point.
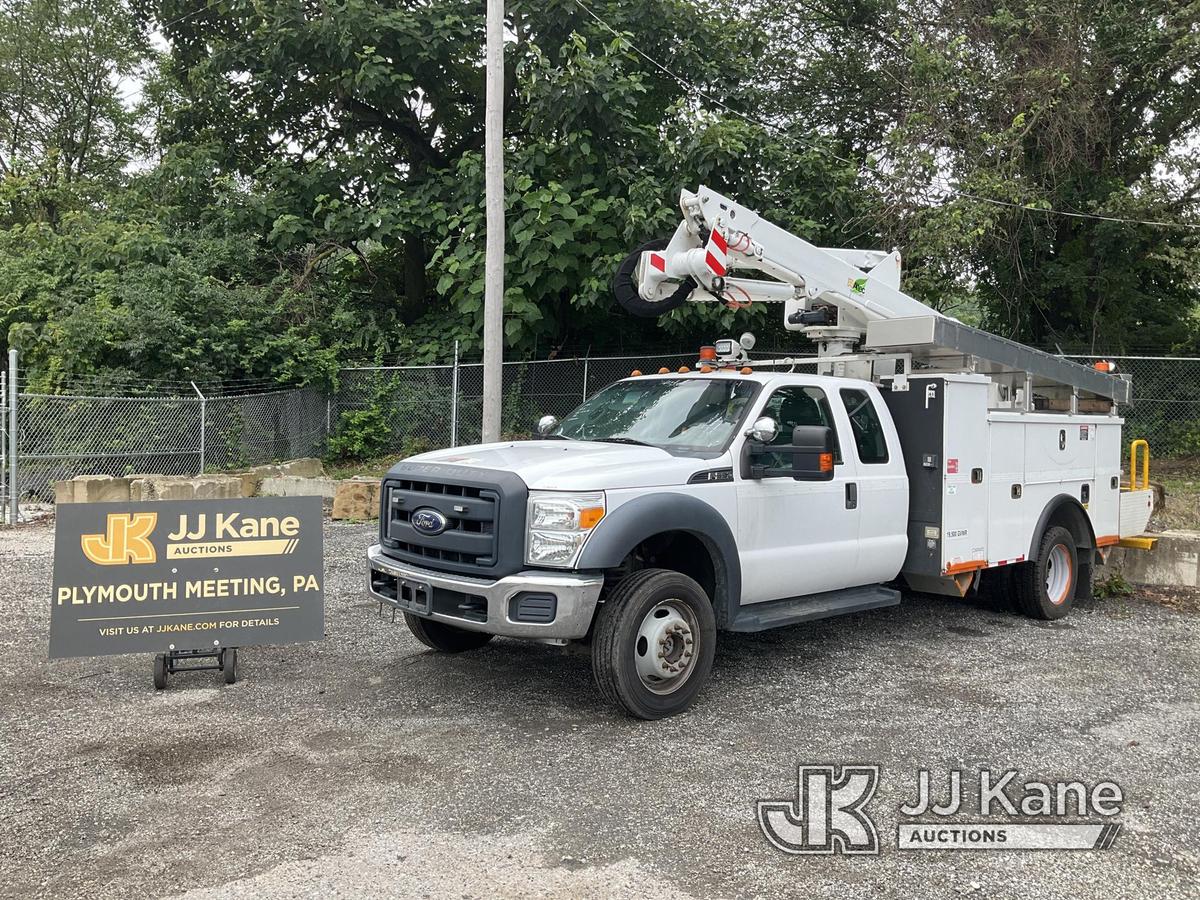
(653, 645)
(444, 638)
(1045, 587)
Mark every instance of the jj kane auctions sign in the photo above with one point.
(187, 575)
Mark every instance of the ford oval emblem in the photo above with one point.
(428, 521)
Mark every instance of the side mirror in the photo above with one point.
(547, 424)
(764, 430)
(812, 453)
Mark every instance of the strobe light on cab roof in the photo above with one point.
(726, 353)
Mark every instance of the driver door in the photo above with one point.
(799, 537)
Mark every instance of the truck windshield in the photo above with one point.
(695, 414)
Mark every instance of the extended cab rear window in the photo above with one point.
(864, 423)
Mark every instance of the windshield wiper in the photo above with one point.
(622, 440)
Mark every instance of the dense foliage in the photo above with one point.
(282, 186)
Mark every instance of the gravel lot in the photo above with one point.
(367, 766)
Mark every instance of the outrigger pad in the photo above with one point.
(625, 288)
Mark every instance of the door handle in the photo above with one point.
(851, 495)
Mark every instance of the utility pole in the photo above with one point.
(493, 266)
(14, 445)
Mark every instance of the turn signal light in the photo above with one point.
(635, 373)
(746, 370)
(663, 371)
(825, 462)
(708, 353)
(590, 516)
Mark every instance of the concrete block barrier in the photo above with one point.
(357, 498)
(1174, 561)
(297, 486)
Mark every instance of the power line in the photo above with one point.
(194, 12)
(944, 186)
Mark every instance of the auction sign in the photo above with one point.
(186, 575)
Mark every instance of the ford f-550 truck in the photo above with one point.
(739, 496)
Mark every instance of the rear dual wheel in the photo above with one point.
(1045, 587)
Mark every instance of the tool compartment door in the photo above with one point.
(1008, 536)
(965, 475)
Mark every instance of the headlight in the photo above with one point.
(557, 524)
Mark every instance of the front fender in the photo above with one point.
(643, 517)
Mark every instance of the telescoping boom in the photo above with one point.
(847, 301)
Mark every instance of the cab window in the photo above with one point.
(798, 405)
(865, 426)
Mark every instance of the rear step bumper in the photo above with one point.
(773, 614)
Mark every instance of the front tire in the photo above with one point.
(1045, 587)
(653, 644)
(444, 638)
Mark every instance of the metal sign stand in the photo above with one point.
(167, 664)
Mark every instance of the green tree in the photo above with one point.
(370, 117)
(65, 124)
(1075, 107)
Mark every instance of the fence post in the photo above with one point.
(585, 374)
(454, 400)
(14, 484)
(203, 424)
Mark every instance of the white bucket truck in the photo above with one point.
(740, 496)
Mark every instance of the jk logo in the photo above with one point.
(127, 540)
(828, 814)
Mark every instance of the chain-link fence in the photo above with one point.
(62, 436)
(411, 408)
(1166, 401)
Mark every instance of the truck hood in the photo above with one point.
(577, 465)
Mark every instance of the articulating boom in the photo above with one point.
(837, 298)
(831, 295)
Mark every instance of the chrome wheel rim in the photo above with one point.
(1058, 574)
(665, 650)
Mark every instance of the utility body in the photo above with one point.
(740, 496)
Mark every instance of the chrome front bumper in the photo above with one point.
(433, 595)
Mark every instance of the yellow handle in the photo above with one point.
(1133, 457)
